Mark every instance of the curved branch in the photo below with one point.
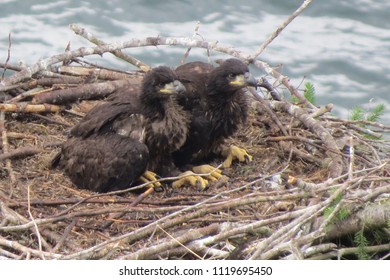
(92, 38)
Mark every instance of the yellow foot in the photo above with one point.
(234, 152)
(189, 178)
(214, 173)
(149, 177)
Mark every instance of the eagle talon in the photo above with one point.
(234, 152)
(149, 177)
(192, 179)
(214, 173)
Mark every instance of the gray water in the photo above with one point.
(342, 47)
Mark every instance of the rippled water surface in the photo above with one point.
(342, 47)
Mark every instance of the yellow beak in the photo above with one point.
(244, 80)
(173, 87)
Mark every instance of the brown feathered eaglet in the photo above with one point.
(118, 140)
(218, 105)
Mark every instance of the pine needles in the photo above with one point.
(309, 94)
(373, 115)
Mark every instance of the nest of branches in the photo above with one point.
(317, 188)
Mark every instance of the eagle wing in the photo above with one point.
(104, 162)
(122, 117)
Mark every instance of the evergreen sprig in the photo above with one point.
(342, 214)
(357, 114)
(373, 115)
(376, 113)
(309, 94)
(361, 243)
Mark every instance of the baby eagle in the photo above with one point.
(218, 105)
(118, 140)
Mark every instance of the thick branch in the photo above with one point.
(20, 153)
(99, 73)
(86, 91)
(372, 216)
(23, 107)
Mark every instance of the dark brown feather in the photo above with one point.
(104, 163)
(118, 139)
(218, 108)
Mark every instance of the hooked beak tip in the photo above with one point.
(250, 80)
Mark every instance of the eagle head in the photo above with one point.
(231, 76)
(161, 82)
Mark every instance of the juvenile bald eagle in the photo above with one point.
(118, 140)
(218, 105)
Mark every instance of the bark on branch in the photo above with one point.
(86, 91)
(372, 216)
(24, 107)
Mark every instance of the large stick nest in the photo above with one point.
(317, 188)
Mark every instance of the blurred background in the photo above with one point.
(342, 47)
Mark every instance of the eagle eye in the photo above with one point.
(230, 76)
